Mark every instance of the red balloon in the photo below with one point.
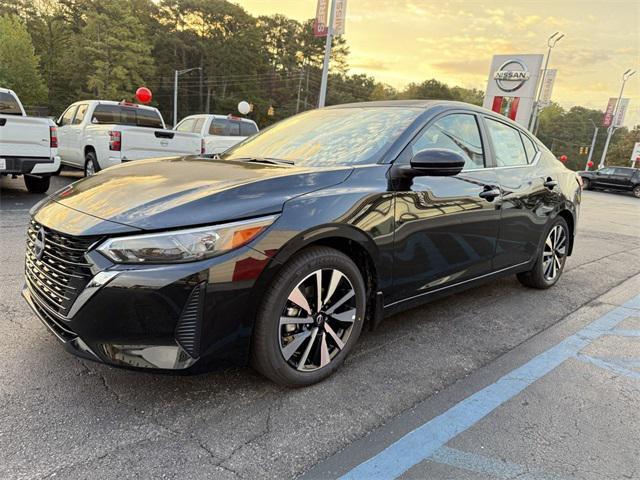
(144, 95)
(563, 158)
(589, 164)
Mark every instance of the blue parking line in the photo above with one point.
(498, 469)
(424, 441)
(609, 365)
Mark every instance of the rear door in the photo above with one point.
(528, 194)
(621, 178)
(446, 227)
(21, 136)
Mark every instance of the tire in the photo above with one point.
(540, 275)
(37, 184)
(636, 191)
(586, 184)
(91, 165)
(282, 352)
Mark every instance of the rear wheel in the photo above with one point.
(310, 318)
(37, 184)
(550, 264)
(636, 191)
(586, 184)
(91, 166)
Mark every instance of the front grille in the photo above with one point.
(61, 272)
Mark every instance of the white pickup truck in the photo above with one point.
(28, 145)
(96, 134)
(219, 132)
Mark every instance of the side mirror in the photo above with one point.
(437, 162)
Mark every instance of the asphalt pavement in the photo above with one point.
(63, 417)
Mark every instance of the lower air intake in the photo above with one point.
(188, 328)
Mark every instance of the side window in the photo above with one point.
(507, 144)
(606, 171)
(82, 111)
(626, 172)
(186, 125)
(197, 126)
(529, 148)
(458, 132)
(67, 116)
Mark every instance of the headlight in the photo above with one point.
(184, 245)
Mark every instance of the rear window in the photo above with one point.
(225, 128)
(9, 105)
(247, 129)
(120, 115)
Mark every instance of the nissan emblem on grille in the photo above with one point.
(38, 244)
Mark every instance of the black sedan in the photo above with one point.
(283, 250)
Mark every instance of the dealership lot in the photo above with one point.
(68, 418)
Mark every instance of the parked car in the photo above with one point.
(624, 179)
(28, 145)
(220, 132)
(96, 134)
(281, 251)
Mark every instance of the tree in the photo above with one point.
(18, 62)
(117, 49)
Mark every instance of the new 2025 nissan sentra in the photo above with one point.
(282, 250)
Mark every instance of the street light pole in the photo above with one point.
(176, 74)
(551, 42)
(612, 128)
(593, 144)
(327, 55)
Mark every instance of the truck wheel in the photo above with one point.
(37, 184)
(91, 165)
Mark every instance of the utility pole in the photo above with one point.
(612, 128)
(327, 55)
(593, 144)
(551, 42)
(176, 74)
(299, 87)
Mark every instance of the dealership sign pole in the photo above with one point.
(330, 29)
(614, 116)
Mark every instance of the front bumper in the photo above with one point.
(170, 317)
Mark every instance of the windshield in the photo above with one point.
(336, 136)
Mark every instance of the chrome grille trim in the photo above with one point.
(56, 278)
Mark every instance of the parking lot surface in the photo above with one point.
(63, 417)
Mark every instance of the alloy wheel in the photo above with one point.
(554, 253)
(317, 320)
(90, 169)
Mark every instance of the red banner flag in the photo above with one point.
(608, 113)
(320, 25)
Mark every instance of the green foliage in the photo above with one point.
(19, 68)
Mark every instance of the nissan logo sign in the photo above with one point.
(511, 75)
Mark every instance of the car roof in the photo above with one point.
(113, 102)
(5, 90)
(218, 117)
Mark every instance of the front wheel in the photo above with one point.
(550, 263)
(310, 318)
(37, 184)
(636, 191)
(586, 184)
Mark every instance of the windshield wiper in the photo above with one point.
(271, 161)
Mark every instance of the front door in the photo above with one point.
(64, 141)
(446, 227)
(603, 178)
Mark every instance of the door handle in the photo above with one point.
(550, 184)
(490, 193)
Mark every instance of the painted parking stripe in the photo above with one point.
(498, 469)
(424, 441)
(609, 365)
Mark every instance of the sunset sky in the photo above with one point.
(400, 41)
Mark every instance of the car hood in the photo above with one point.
(188, 191)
